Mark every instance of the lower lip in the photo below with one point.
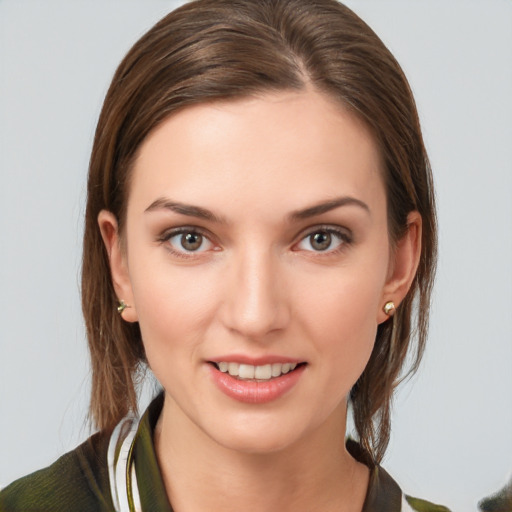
(256, 392)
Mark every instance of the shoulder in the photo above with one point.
(76, 481)
(410, 504)
(384, 494)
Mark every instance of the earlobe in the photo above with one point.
(403, 265)
(118, 265)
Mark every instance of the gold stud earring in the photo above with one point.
(389, 308)
(122, 306)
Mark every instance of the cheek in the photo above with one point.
(174, 305)
(173, 310)
(340, 314)
(343, 298)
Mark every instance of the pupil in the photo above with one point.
(191, 241)
(321, 241)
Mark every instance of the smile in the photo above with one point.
(250, 372)
(256, 384)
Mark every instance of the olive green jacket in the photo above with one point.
(118, 471)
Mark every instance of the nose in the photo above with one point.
(255, 302)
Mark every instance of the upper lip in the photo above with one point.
(255, 361)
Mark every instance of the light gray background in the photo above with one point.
(452, 435)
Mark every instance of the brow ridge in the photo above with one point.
(163, 203)
(326, 206)
(302, 214)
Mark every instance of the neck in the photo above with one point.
(314, 473)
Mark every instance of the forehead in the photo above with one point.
(279, 148)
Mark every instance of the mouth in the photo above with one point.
(258, 373)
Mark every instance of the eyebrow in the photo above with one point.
(306, 213)
(327, 206)
(184, 209)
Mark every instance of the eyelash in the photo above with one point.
(184, 230)
(344, 236)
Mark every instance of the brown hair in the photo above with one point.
(209, 50)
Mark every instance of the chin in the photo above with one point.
(258, 436)
(257, 444)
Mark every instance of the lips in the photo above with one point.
(256, 383)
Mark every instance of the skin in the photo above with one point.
(258, 285)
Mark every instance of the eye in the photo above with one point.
(323, 240)
(188, 241)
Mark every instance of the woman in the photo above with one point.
(260, 220)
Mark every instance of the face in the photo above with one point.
(257, 263)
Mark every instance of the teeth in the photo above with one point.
(263, 372)
(276, 369)
(233, 369)
(248, 371)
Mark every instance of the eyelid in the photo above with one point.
(344, 234)
(167, 234)
(170, 232)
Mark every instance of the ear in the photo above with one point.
(403, 265)
(118, 263)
